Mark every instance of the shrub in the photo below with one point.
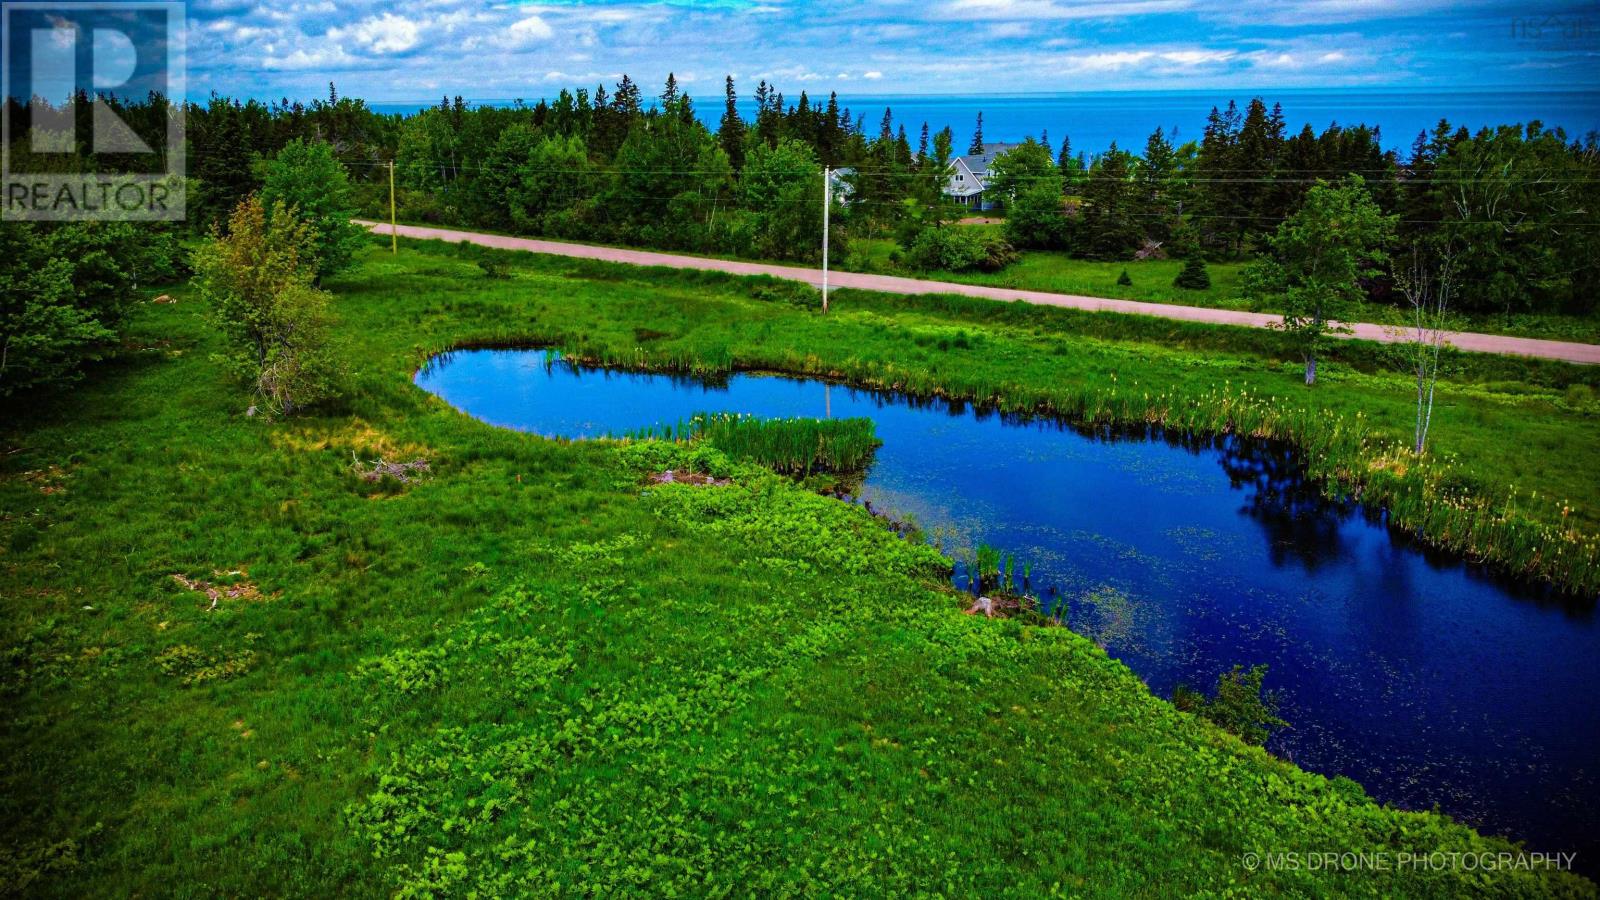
(65, 290)
(1194, 276)
(257, 280)
(1037, 218)
(1124, 280)
(1240, 705)
(958, 249)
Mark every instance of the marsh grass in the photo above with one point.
(793, 446)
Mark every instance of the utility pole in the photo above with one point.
(394, 230)
(827, 205)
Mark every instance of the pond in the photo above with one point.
(1428, 680)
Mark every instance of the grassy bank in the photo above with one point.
(1045, 270)
(532, 671)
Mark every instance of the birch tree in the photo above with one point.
(1426, 281)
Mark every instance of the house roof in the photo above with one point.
(978, 163)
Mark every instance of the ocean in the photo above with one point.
(1094, 120)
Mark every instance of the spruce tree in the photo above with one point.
(1111, 229)
(831, 132)
(730, 132)
(1194, 276)
(1250, 181)
(977, 137)
(1157, 175)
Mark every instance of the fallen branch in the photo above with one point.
(403, 472)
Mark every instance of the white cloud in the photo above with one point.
(1197, 57)
(387, 33)
(1106, 62)
(529, 30)
(323, 58)
(872, 76)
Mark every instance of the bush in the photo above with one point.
(957, 249)
(1240, 705)
(65, 290)
(1037, 218)
(1194, 276)
(1124, 280)
(257, 279)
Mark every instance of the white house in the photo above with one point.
(841, 185)
(968, 174)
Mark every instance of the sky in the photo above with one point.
(383, 51)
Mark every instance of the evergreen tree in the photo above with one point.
(1158, 188)
(977, 137)
(831, 133)
(1250, 181)
(1111, 229)
(1070, 166)
(1194, 276)
(1215, 163)
(730, 131)
(769, 114)
(627, 99)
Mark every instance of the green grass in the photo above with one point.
(1046, 270)
(798, 446)
(531, 671)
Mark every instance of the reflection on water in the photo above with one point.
(1428, 680)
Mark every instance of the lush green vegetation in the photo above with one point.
(798, 446)
(65, 291)
(620, 167)
(1058, 272)
(233, 659)
(1154, 282)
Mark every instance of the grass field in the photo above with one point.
(1045, 270)
(531, 672)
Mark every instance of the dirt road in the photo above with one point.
(1588, 354)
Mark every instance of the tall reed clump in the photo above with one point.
(796, 446)
(1419, 495)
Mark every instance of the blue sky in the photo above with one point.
(416, 51)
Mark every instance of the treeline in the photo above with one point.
(1518, 203)
(614, 166)
(1514, 207)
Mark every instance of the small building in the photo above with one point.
(969, 175)
(841, 183)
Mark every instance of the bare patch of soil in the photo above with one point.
(676, 476)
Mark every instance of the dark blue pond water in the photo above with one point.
(1427, 680)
